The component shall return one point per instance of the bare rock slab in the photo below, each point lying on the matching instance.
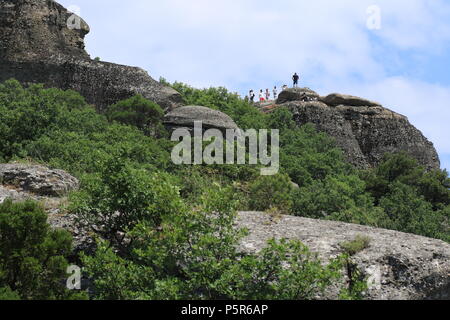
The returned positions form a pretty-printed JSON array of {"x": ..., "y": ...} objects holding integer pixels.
[
  {"x": 399, "y": 266},
  {"x": 37, "y": 180}
]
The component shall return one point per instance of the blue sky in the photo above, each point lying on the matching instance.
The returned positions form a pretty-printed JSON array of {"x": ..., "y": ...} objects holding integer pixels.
[{"x": 255, "y": 44}]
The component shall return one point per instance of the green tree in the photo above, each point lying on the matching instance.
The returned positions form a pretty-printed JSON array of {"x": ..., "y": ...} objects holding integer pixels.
[
  {"x": 32, "y": 256},
  {"x": 112, "y": 202},
  {"x": 409, "y": 212},
  {"x": 268, "y": 192},
  {"x": 139, "y": 112}
]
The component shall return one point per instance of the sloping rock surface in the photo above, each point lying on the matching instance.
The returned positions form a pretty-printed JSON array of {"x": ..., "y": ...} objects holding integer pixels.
[{"x": 399, "y": 266}]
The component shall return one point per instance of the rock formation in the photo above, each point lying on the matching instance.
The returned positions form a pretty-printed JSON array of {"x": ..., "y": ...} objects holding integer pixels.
[
  {"x": 184, "y": 117},
  {"x": 37, "y": 179},
  {"x": 398, "y": 266},
  {"x": 297, "y": 94},
  {"x": 41, "y": 42},
  {"x": 363, "y": 129}
]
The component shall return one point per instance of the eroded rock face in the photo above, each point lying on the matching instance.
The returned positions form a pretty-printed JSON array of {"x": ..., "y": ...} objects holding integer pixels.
[
  {"x": 365, "y": 132},
  {"x": 399, "y": 266},
  {"x": 184, "y": 117},
  {"x": 37, "y": 46}
]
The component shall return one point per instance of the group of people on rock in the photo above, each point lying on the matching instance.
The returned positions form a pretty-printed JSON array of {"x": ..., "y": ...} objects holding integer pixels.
[{"x": 266, "y": 95}]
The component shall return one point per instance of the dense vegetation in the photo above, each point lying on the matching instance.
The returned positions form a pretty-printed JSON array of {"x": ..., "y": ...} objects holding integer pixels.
[{"x": 166, "y": 231}]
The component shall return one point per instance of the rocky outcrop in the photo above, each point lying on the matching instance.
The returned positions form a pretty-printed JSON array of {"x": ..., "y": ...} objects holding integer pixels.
[
  {"x": 184, "y": 117},
  {"x": 41, "y": 42},
  {"x": 297, "y": 94},
  {"x": 38, "y": 180},
  {"x": 398, "y": 266},
  {"x": 336, "y": 99},
  {"x": 364, "y": 130}
]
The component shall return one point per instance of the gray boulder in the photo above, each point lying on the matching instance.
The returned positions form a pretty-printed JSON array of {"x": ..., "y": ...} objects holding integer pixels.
[
  {"x": 38, "y": 180},
  {"x": 184, "y": 117},
  {"x": 336, "y": 99},
  {"x": 37, "y": 46},
  {"x": 297, "y": 94},
  {"x": 398, "y": 266}
]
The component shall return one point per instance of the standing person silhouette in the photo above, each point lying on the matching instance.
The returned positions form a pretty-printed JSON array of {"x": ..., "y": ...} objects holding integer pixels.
[
  {"x": 252, "y": 96},
  {"x": 267, "y": 94},
  {"x": 275, "y": 93},
  {"x": 295, "y": 78}
]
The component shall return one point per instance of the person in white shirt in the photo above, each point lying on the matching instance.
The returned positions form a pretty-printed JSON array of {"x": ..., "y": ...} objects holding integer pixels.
[
  {"x": 275, "y": 93},
  {"x": 261, "y": 96}
]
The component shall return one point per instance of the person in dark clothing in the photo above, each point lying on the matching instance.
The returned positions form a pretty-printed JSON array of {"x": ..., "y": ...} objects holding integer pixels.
[
  {"x": 295, "y": 77},
  {"x": 252, "y": 96}
]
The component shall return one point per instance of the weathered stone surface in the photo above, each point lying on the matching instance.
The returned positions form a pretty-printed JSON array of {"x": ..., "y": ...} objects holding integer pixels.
[
  {"x": 20, "y": 182},
  {"x": 39, "y": 180},
  {"x": 34, "y": 29},
  {"x": 365, "y": 134},
  {"x": 336, "y": 99},
  {"x": 184, "y": 117},
  {"x": 399, "y": 266},
  {"x": 297, "y": 94},
  {"x": 37, "y": 46}
]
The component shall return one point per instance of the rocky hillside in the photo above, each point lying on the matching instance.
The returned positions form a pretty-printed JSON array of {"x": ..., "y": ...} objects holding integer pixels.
[{"x": 37, "y": 46}]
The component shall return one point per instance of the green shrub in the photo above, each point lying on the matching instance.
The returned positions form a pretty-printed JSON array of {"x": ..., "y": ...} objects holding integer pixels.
[
  {"x": 334, "y": 194},
  {"x": 112, "y": 202},
  {"x": 139, "y": 112},
  {"x": 409, "y": 212},
  {"x": 268, "y": 192},
  {"x": 32, "y": 256},
  {"x": 357, "y": 245}
]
